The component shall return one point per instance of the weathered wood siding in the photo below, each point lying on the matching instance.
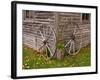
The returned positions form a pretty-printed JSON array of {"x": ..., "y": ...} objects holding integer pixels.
[
  {"x": 64, "y": 31},
  {"x": 30, "y": 35},
  {"x": 57, "y": 20}
]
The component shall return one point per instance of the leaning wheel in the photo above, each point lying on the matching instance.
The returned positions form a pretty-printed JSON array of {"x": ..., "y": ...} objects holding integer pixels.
[
  {"x": 47, "y": 40},
  {"x": 73, "y": 42}
]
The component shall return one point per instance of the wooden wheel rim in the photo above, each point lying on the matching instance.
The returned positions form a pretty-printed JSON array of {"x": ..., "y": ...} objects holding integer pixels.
[
  {"x": 47, "y": 38},
  {"x": 71, "y": 43}
]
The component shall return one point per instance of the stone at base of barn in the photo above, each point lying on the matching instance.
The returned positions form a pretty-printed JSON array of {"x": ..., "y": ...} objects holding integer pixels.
[{"x": 59, "y": 54}]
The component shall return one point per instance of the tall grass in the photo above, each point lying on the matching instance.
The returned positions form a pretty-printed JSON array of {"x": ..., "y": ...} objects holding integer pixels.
[{"x": 34, "y": 60}]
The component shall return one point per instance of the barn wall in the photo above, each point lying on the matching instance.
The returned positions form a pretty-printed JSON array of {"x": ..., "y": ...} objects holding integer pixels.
[
  {"x": 32, "y": 24},
  {"x": 64, "y": 32},
  {"x": 57, "y": 20}
]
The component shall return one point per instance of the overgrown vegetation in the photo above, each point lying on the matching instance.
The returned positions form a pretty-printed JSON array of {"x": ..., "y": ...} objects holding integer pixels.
[
  {"x": 60, "y": 46},
  {"x": 33, "y": 59}
]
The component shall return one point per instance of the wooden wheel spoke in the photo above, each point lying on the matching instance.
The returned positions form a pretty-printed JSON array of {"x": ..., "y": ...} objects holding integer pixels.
[
  {"x": 49, "y": 37},
  {"x": 51, "y": 53},
  {"x": 41, "y": 47},
  {"x": 42, "y": 35},
  {"x": 70, "y": 48},
  {"x": 42, "y": 29},
  {"x": 75, "y": 29},
  {"x": 51, "y": 33},
  {"x": 73, "y": 47},
  {"x": 68, "y": 43}
]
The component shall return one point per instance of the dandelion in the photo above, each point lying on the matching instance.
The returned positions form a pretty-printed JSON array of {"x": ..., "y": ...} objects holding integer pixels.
[
  {"x": 49, "y": 62},
  {"x": 39, "y": 58},
  {"x": 25, "y": 64},
  {"x": 37, "y": 63},
  {"x": 27, "y": 67},
  {"x": 27, "y": 60}
]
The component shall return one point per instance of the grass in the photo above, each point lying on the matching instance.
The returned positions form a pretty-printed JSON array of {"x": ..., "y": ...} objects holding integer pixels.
[{"x": 34, "y": 60}]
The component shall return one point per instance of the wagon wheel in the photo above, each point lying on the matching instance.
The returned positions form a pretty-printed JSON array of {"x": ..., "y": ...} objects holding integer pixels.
[
  {"x": 74, "y": 40},
  {"x": 47, "y": 40}
]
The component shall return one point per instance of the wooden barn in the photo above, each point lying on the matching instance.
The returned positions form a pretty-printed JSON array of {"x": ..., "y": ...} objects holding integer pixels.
[{"x": 45, "y": 28}]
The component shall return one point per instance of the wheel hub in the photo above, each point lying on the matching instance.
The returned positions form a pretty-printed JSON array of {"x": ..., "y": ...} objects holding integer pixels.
[
  {"x": 73, "y": 37},
  {"x": 44, "y": 41}
]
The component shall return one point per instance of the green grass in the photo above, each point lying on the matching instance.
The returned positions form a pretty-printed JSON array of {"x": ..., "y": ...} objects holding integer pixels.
[{"x": 32, "y": 59}]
